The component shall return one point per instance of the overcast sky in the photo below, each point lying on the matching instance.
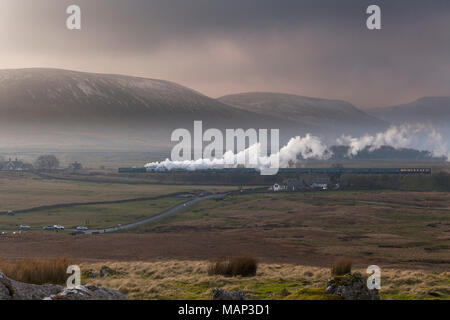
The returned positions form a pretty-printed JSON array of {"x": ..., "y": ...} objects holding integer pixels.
[{"x": 316, "y": 48}]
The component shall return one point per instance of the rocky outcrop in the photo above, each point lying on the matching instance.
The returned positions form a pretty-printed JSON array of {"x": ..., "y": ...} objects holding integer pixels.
[
  {"x": 219, "y": 294},
  {"x": 351, "y": 287},
  {"x": 87, "y": 293},
  {"x": 15, "y": 290}
]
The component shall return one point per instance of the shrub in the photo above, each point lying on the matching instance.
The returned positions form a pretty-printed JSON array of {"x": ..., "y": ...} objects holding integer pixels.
[
  {"x": 37, "y": 271},
  {"x": 220, "y": 267},
  {"x": 243, "y": 265},
  {"x": 341, "y": 267}
]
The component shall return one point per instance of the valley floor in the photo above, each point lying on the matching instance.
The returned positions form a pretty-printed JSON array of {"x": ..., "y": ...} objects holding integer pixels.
[
  {"x": 388, "y": 229},
  {"x": 295, "y": 236}
]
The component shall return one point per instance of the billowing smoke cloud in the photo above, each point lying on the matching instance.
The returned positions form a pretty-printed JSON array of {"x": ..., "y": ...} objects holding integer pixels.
[
  {"x": 228, "y": 159},
  {"x": 441, "y": 147},
  {"x": 312, "y": 147},
  {"x": 403, "y": 136},
  {"x": 308, "y": 147}
]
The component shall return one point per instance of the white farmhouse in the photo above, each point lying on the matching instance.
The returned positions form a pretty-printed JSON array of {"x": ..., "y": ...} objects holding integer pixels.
[{"x": 278, "y": 187}]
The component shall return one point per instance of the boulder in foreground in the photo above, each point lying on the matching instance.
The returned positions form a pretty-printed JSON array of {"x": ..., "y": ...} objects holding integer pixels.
[
  {"x": 15, "y": 290},
  {"x": 220, "y": 294},
  {"x": 351, "y": 287}
]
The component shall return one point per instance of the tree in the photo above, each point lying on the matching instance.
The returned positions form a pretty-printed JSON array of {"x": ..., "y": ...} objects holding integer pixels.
[{"x": 47, "y": 162}]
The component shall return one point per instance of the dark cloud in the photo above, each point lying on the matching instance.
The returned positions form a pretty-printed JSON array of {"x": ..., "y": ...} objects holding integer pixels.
[{"x": 313, "y": 47}]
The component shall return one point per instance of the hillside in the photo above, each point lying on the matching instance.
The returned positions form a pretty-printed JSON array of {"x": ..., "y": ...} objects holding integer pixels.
[
  {"x": 314, "y": 114},
  {"x": 67, "y": 109},
  {"x": 59, "y": 95},
  {"x": 435, "y": 110}
]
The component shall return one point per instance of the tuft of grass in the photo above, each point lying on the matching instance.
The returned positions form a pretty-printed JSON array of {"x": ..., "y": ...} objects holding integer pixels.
[
  {"x": 341, "y": 267},
  {"x": 37, "y": 271},
  {"x": 243, "y": 265}
]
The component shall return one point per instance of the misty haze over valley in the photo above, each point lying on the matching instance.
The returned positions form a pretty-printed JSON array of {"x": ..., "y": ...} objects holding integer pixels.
[{"x": 76, "y": 111}]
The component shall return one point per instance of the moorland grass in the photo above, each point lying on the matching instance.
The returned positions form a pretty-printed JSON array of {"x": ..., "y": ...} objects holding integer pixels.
[
  {"x": 37, "y": 271},
  {"x": 178, "y": 280}
]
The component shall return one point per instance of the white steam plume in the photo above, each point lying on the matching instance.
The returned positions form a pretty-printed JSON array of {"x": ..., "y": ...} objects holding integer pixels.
[
  {"x": 308, "y": 147},
  {"x": 311, "y": 147},
  {"x": 441, "y": 148},
  {"x": 403, "y": 136}
]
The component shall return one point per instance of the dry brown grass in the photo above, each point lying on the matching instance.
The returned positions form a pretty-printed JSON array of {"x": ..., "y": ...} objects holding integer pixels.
[
  {"x": 37, "y": 271},
  {"x": 292, "y": 228},
  {"x": 243, "y": 265},
  {"x": 341, "y": 267},
  {"x": 361, "y": 225},
  {"x": 177, "y": 280}
]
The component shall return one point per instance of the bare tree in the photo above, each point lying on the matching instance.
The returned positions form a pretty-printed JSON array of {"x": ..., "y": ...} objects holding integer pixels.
[{"x": 47, "y": 162}]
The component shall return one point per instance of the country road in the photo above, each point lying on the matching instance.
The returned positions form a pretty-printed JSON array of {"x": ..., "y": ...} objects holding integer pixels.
[{"x": 155, "y": 218}]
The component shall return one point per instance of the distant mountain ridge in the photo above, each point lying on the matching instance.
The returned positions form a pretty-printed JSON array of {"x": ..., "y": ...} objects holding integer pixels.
[
  {"x": 434, "y": 110},
  {"x": 46, "y": 105},
  {"x": 102, "y": 109},
  {"x": 315, "y": 113},
  {"x": 60, "y": 94}
]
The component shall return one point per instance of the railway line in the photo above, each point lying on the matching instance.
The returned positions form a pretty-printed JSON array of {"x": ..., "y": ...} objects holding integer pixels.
[{"x": 287, "y": 170}]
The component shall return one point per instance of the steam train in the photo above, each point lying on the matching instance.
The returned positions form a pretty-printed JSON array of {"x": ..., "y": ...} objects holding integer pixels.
[{"x": 288, "y": 170}]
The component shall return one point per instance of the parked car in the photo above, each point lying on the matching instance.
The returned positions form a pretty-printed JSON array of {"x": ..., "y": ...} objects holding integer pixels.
[
  {"x": 49, "y": 228},
  {"x": 4, "y": 233},
  {"x": 81, "y": 228},
  {"x": 24, "y": 227},
  {"x": 58, "y": 227}
]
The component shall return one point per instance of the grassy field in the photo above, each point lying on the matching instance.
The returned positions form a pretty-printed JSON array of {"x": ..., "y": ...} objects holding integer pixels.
[
  {"x": 385, "y": 227},
  {"x": 92, "y": 216},
  {"x": 20, "y": 191},
  {"x": 26, "y": 190},
  {"x": 179, "y": 280}
]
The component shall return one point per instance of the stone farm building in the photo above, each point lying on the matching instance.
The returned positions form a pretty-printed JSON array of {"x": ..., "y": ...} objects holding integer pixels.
[
  {"x": 15, "y": 165},
  {"x": 288, "y": 185}
]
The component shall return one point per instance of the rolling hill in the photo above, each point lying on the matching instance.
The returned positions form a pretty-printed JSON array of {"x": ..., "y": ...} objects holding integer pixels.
[
  {"x": 430, "y": 111},
  {"x": 61, "y": 108},
  {"x": 316, "y": 115},
  {"x": 435, "y": 110},
  {"x": 66, "y": 96}
]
